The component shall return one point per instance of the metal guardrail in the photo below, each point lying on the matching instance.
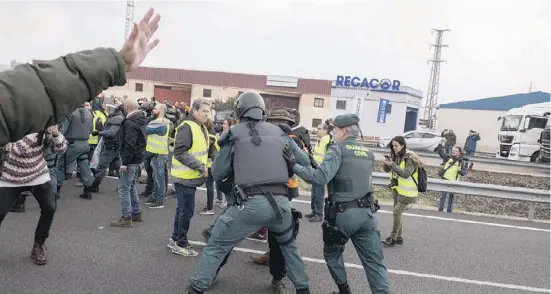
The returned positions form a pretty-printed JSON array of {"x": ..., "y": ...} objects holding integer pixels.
[
  {"x": 480, "y": 159},
  {"x": 476, "y": 189}
]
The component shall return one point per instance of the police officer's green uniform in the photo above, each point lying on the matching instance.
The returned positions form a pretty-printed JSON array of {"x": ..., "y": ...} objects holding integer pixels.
[
  {"x": 247, "y": 149},
  {"x": 77, "y": 128},
  {"x": 346, "y": 169}
]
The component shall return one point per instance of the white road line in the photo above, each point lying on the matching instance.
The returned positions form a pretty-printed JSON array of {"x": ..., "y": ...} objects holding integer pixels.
[
  {"x": 407, "y": 273},
  {"x": 436, "y": 217}
]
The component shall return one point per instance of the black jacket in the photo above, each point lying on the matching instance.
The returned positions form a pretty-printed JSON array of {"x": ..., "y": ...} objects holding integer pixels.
[
  {"x": 133, "y": 138},
  {"x": 111, "y": 129}
]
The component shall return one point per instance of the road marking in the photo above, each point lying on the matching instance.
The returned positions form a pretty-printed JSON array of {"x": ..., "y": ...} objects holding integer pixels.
[
  {"x": 406, "y": 273},
  {"x": 432, "y": 217}
]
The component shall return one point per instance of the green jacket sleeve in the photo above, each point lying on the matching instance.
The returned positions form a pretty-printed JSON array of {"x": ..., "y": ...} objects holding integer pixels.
[
  {"x": 33, "y": 97},
  {"x": 325, "y": 172}
]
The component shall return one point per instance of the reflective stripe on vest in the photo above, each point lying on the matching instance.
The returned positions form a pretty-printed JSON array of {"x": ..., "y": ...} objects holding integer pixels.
[
  {"x": 321, "y": 147},
  {"x": 406, "y": 187},
  {"x": 94, "y": 140},
  {"x": 293, "y": 182},
  {"x": 215, "y": 140},
  {"x": 452, "y": 173},
  {"x": 158, "y": 144},
  {"x": 199, "y": 150}
]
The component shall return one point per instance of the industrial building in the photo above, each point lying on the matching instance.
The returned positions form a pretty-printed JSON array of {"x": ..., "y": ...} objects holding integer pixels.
[
  {"x": 386, "y": 108},
  {"x": 482, "y": 116},
  {"x": 310, "y": 96}
]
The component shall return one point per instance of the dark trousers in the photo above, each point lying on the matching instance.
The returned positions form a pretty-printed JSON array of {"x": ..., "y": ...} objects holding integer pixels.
[
  {"x": 149, "y": 170},
  {"x": 185, "y": 207},
  {"x": 106, "y": 159},
  {"x": 44, "y": 195}
]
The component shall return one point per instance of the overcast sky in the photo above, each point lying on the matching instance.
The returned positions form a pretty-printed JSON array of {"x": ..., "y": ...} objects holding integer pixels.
[{"x": 496, "y": 47}]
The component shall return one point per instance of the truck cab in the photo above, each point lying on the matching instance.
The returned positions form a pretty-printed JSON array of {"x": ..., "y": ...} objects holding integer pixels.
[
  {"x": 544, "y": 142},
  {"x": 520, "y": 132}
]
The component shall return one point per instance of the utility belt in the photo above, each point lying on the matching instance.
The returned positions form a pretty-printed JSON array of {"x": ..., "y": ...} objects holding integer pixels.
[
  {"x": 243, "y": 194},
  {"x": 331, "y": 233}
]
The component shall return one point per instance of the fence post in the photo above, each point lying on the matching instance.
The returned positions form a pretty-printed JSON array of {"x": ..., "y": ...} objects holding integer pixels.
[{"x": 531, "y": 211}]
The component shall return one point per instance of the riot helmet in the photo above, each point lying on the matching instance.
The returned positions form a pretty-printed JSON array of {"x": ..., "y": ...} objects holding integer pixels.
[{"x": 250, "y": 104}]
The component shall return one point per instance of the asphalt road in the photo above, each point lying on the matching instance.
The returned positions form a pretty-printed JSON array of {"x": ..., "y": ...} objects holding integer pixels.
[{"x": 442, "y": 253}]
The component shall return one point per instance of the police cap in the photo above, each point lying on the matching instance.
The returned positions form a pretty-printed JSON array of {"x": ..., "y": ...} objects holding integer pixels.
[
  {"x": 346, "y": 120},
  {"x": 280, "y": 113}
]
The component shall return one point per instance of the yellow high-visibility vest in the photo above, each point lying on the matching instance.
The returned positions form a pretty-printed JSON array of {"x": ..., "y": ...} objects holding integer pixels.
[
  {"x": 94, "y": 140},
  {"x": 158, "y": 144},
  {"x": 215, "y": 140},
  {"x": 452, "y": 172},
  {"x": 321, "y": 147},
  {"x": 406, "y": 187},
  {"x": 199, "y": 149}
]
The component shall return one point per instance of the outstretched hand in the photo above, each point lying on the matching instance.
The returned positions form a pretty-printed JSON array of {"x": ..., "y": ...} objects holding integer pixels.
[{"x": 138, "y": 45}]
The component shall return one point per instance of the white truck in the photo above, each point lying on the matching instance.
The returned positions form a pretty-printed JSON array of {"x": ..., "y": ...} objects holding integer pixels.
[{"x": 520, "y": 131}]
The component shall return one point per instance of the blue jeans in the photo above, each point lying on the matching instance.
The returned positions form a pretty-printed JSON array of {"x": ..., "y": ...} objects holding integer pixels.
[
  {"x": 185, "y": 207},
  {"x": 317, "y": 201},
  {"x": 443, "y": 200},
  {"x": 130, "y": 202},
  {"x": 158, "y": 167}
]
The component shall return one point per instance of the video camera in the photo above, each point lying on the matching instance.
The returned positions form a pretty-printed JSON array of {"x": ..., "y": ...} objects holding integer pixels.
[{"x": 147, "y": 107}]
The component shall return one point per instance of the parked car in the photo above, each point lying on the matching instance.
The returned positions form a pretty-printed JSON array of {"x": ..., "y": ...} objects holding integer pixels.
[{"x": 417, "y": 140}]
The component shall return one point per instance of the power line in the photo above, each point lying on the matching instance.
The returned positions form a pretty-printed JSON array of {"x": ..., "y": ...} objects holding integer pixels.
[
  {"x": 129, "y": 23},
  {"x": 431, "y": 104}
]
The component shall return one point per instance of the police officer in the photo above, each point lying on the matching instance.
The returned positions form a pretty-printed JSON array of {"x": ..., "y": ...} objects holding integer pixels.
[
  {"x": 347, "y": 169},
  {"x": 260, "y": 194},
  {"x": 110, "y": 152},
  {"x": 77, "y": 128}
]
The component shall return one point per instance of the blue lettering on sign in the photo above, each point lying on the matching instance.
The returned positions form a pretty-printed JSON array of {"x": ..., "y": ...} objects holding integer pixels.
[
  {"x": 381, "y": 113},
  {"x": 357, "y": 82}
]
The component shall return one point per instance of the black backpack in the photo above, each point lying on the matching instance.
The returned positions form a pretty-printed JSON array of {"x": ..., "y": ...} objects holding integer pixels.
[{"x": 422, "y": 184}]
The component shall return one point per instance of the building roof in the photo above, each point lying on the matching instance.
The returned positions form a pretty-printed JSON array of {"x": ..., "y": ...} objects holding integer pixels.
[
  {"x": 502, "y": 103},
  {"x": 224, "y": 79}
]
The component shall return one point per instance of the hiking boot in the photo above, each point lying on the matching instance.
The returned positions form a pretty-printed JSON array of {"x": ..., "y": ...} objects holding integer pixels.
[
  {"x": 303, "y": 291},
  {"x": 123, "y": 222},
  {"x": 137, "y": 217},
  {"x": 399, "y": 241},
  {"x": 278, "y": 287},
  {"x": 261, "y": 259},
  {"x": 389, "y": 242},
  {"x": 38, "y": 254},
  {"x": 310, "y": 215},
  {"x": 258, "y": 237},
  {"x": 86, "y": 193},
  {"x": 316, "y": 219}
]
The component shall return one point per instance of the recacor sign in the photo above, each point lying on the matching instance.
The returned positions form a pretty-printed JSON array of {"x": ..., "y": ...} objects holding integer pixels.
[{"x": 376, "y": 84}]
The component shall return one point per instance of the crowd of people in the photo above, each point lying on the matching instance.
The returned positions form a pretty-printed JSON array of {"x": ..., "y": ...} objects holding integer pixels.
[{"x": 255, "y": 164}]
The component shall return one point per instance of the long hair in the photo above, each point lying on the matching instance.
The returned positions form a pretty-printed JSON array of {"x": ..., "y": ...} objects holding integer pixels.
[{"x": 400, "y": 140}]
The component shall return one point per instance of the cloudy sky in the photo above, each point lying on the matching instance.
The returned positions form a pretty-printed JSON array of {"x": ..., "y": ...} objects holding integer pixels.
[{"x": 495, "y": 47}]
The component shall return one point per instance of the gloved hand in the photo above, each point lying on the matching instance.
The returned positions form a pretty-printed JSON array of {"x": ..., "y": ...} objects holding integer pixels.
[
  {"x": 95, "y": 133},
  {"x": 289, "y": 157},
  {"x": 296, "y": 213}
]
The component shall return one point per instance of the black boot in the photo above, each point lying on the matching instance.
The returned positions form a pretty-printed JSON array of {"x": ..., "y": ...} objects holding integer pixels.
[
  {"x": 95, "y": 185},
  {"x": 343, "y": 289},
  {"x": 86, "y": 193},
  {"x": 303, "y": 291},
  {"x": 190, "y": 290},
  {"x": 19, "y": 204}
]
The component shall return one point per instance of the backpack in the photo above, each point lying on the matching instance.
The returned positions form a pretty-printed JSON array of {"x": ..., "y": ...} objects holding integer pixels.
[{"x": 422, "y": 184}]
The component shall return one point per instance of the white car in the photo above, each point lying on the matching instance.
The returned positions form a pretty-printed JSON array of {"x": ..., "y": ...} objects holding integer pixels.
[{"x": 417, "y": 140}]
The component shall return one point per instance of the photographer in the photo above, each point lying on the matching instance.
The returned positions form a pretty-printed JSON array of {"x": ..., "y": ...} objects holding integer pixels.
[{"x": 454, "y": 167}]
